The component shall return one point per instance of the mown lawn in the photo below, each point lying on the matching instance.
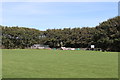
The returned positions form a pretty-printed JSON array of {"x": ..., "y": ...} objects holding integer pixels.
[
  {"x": 0, "y": 64},
  {"x": 28, "y": 63}
]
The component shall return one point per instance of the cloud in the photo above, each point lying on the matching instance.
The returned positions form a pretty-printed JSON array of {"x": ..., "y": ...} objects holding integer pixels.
[
  {"x": 32, "y": 8},
  {"x": 24, "y": 9}
]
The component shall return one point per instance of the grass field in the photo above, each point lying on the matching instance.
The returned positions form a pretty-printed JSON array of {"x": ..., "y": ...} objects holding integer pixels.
[
  {"x": 0, "y": 64},
  {"x": 28, "y": 63}
]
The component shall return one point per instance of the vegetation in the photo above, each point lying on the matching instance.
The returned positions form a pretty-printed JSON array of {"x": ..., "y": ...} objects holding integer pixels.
[
  {"x": 29, "y": 63},
  {"x": 106, "y": 36},
  {"x": 0, "y": 64}
]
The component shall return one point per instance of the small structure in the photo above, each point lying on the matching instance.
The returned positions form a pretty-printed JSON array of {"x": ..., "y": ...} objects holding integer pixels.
[
  {"x": 40, "y": 46},
  {"x": 64, "y": 48},
  {"x": 92, "y": 46}
]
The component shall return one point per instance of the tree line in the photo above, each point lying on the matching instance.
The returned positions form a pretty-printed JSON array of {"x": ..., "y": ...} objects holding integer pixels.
[{"x": 105, "y": 36}]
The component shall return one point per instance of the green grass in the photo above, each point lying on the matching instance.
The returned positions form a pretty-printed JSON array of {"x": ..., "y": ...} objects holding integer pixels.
[
  {"x": 0, "y": 64},
  {"x": 28, "y": 63}
]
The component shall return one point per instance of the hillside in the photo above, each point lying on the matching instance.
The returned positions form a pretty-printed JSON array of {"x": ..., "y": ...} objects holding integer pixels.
[{"x": 106, "y": 36}]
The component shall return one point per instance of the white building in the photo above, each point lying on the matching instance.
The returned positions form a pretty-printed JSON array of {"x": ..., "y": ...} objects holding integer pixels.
[{"x": 39, "y": 46}]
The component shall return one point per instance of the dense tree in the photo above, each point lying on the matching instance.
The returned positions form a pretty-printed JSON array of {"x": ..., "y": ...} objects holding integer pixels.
[
  {"x": 19, "y": 37},
  {"x": 108, "y": 34},
  {"x": 105, "y": 36}
]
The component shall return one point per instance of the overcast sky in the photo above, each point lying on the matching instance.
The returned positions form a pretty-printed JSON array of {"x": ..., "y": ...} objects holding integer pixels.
[{"x": 50, "y": 15}]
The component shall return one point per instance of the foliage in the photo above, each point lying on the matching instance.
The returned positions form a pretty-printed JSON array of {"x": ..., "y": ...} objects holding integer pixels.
[
  {"x": 19, "y": 37},
  {"x": 106, "y": 36}
]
